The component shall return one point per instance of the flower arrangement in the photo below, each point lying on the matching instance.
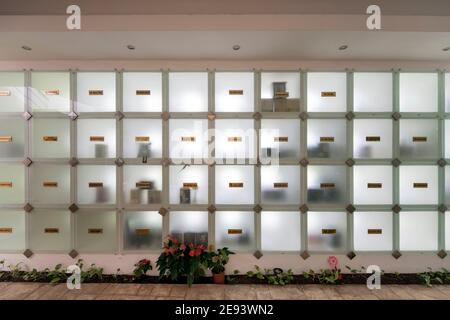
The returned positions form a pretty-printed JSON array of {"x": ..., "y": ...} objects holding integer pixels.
[
  {"x": 141, "y": 268},
  {"x": 216, "y": 263}
]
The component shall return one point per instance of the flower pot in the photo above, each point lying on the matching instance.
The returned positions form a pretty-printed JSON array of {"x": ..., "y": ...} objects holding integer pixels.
[{"x": 219, "y": 278}]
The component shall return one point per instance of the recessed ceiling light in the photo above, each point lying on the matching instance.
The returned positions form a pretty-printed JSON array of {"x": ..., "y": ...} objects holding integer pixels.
[
  {"x": 446, "y": 49},
  {"x": 26, "y": 48},
  {"x": 343, "y": 47},
  {"x": 131, "y": 47},
  {"x": 236, "y": 47}
]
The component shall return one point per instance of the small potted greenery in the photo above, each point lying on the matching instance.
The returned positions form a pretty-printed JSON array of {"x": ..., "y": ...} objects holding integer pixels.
[{"x": 216, "y": 263}]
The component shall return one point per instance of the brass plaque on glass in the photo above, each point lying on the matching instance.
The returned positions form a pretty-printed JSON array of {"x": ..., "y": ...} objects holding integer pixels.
[
  {"x": 51, "y": 230},
  {"x": 419, "y": 139},
  {"x": 328, "y": 231},
  {"x": 5, "y": 184},
  {"x": 95, "y": 184},
  {"x": 5, "y": 138},
  {"x": 236, "y": 185},
  {"x": 50, "y": 184},
  {"x": 142, "y": 138},
  {"x": 6, "y": 230},
  {"x": 191, "y": 185},
  {"x": 281, "y": 94},
  {"x": 234, "y": 231},
  {"x": 5, "y": 93},
  {"x": 188, "y": 139},
  {"x": 143, "y": 92},
  {"x": 280, "y": 139},
  {"x": 373, "y": 139},
  {"x": 234, "y": 139},
  {"x": 236, "y": 92},
  {"x": 51, "y": 92},
  {"x": 280, "y": 184},
  {"x": 328, "y": 94},
  {"x": 95, "y": 92},
  {"x": 421, "y": 185},
  {"x": 142, "y": 232},
  {"x": 96, "y": 138},
  {"x": 50, "y": 138},
  {"x": 95, "y": 230},
  {"x": 374, "y": 231},
  {"x": 373, "y": 185},
  {"x": 144, "y": 185},
  {"x": 327, "y": 185},
  {"x": 326, "y": 139}
]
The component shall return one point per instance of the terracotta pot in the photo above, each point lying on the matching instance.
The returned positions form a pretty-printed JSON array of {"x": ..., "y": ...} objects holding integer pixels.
[{"x": 219, "y": 278}]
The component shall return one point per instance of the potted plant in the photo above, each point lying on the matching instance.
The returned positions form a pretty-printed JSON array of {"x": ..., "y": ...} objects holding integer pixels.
[{"x": 216, "y": 263}]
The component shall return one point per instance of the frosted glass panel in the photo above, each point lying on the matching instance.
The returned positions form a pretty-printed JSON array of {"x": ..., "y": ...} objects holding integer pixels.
[
  {"x": 188, "y": 138},
  {"x": 418, "y": 92},
  {"x": 447, "y": 233},
  {"x": 280, "y": 91},
  {"x": 280, "y": 231},
  {"x": 189, "y": 185},
  {"x": 327, "y": 139},
  {"x": 142, "y": 230},
  {"x": 418, "y": 184},
  {"x": 234, "y": 184},
  {"x": 142, "y": 91},
  {"x": 372, "y": 231},
  {"x": 418, "y": 231},
  {"x": 234, "y": 92},
  {"x": 12, "y": 183},
  {"x": 447, "y": 185},
  {"x": 188, "y": 91},
  {"x": 12, "y": 88},
  {"x": 235, "y": 139},
  {"x": 447, "y": 92},
  {"x": 96, "y": 231},
  {"x": 142, "y": 184},
  {"x": 280, "y": 136},
  {"x": 12, "y": 138},
  {"x": 96, "y": 184},
  {"x": 50, "y": 91},
  {"x": 50, "y": 183},
  {"x": 372, "y": 138},
  {"x": 447, "y": 139},
  {"x": 327, "y": 92},
  {"x": 13, "y": 224},
  {"x": 372, "y": 91},
  {"x": 51, "y": 138},
  {"x": 418, "y": 138},
  {"x": 327, "y": 184},
  {"x": 189, "y": 226},
  {"x": 327, "y": 231},
  {"x": 235, "y": 230},
  {"x": 142, "y": 138},
  {"x": 96, "y": 92},
  {"x": 50, "y": 230},
  {"x": 372, "y": 185},
  {"x": 96, "y": 138},
  {"x": 280, "y": 184}
]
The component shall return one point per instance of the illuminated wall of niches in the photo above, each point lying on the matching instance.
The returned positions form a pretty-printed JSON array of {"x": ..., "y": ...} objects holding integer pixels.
[{"x": 260, "y": 161}]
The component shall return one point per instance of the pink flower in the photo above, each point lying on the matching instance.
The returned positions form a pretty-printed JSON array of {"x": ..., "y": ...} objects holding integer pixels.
[
  {"x": 191, "y": 245},
  {"x": 192, "y": 253},
  {"x": 333, "y": 262},
  {"x": 183, "y": 247}
]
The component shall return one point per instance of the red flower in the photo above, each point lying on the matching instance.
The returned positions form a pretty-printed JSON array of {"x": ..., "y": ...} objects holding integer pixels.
[
  {"x": 191, "y": 245},
  {"x": 192, "y": 253},
  {"x": 183, "y": 247},
  {"x": 198, "y": 252},
  {"x": 202, "y": 247},
  {"x": 333, "y": 262}
]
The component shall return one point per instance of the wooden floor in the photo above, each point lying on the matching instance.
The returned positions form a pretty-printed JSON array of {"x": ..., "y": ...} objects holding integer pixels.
[{"x": 92, "y": 291}]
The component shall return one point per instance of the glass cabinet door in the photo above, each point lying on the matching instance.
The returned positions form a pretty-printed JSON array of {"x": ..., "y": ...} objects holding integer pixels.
[
  {"x": 50, "y": 183},
  {"x": 447, "y": 234},
  {"x": 96, "y": 184},
  {"x": 142, "y": 184},
  {"x": 234, "y": 184},
  {"x": 50, "y": 230},
  {"x": 280, "y": 91},
  {"x": 96, "y": 92},
  {"x": 12, "y": 183},
  {"x": 372, "y": 231},
  {"x": 234, "y": 92},
  {"x": 327, "y": 139},
  {"x": 419, "y": 138},
  {"x": 96, "y": 138},
  {"x": 188, "y": 139},
  {"x": 142, "y": 230},
  {"x": 188, "y": 91},
  {"x": 12, "y": 138},
  {"x": 418, "y": 92},
  {"x": 189, "y": 185},
  {"x": 235, "y": 230},
  {"x": 235, "y": 139},
  {"x": 418, "y": 231},
  {"x": 447, "y": 185},
  {"x": 372, "y": 138},
  {"x": 447, "y": 92},
  {"x": 280, "y": 231},
  {"x": 280, "y": 184},
  {"x": 189, "y": 226},
  {"x": 327, "y": 184},
  {"x": 50, "y": 92},
  {"x": 12, "y": 230},
  {"x": 142, "y": 138},
  {"x": 327, "y": 92},
  {"x": 96, "y": 231},
  {"x": 280, "y": 139},
  {"x": 12, "y": 92},
  {"x": 327, "y": 231},
  {"x": 372, "y": 91},
  {"x": 142, "y": 91},
  {"x": 447, "y": 138},
  {"x": 372, "y": 185},
  {"x": 51, "y": 138},
  {"x": 418, "y": 184}
]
